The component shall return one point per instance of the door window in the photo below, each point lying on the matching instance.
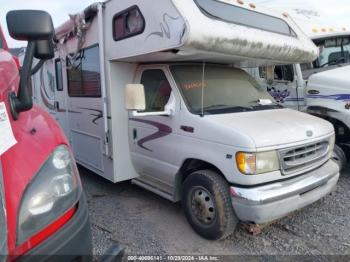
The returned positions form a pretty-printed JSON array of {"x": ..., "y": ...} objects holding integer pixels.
[
  {"x": 280, "y": 73},
  {"x": 157, "y": 90}
]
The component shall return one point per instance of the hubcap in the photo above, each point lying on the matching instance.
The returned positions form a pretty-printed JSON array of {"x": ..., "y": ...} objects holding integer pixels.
[{"x": 202, "y": 205}]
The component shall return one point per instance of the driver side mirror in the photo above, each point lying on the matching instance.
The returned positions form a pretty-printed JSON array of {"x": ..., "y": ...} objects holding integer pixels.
[
  {"x": 135, "y": 97},
  {"x": 36, "y": 27},
  {"x": 44, "y": 50},
  {"x": 29, "y": 25}
]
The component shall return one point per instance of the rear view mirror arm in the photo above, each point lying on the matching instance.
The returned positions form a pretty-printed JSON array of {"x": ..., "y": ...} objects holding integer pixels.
[
  {"x": 37, "y": 66},
  {"x": 23, "y": 102}
]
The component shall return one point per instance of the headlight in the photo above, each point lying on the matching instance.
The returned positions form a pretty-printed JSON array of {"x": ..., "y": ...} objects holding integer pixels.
[
  {"x": 257, "y": 163},
  {"x": 54, "y": 190}
]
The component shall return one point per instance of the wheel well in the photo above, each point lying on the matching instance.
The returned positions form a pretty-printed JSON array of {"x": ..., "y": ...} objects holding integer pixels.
[
  {"x": 188, "y": 167},
  {"x": 342, "y": 131}
]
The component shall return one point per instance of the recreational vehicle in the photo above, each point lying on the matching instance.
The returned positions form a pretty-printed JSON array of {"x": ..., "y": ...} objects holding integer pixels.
[
  {"x": 321, "y": 87},
  {"x": 155, "y": 94}
]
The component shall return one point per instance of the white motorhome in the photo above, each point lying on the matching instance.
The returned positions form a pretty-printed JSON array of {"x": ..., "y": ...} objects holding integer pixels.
[
  {"x": 321, "y": 88},
  {"x": 155, "y": 94}
]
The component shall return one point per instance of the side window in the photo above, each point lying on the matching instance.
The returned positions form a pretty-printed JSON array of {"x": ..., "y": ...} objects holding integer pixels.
[
  {"x": 59, "y": 76},
  {"x": 128, "y": 23},
  {"x": 284, "y": 73},
  {"x": 157, "y": 90},
  {"x": 83, "y": 72},
  {"x": 278, "y": 73}
]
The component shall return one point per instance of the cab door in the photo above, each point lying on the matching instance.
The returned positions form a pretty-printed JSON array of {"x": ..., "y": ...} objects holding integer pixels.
[
  {"x": 153, "y": 139},
  {"x": 281, "y": 83}
]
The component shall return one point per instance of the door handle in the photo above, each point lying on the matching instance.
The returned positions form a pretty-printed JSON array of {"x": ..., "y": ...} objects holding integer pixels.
[{"x": 134, "y": 133}]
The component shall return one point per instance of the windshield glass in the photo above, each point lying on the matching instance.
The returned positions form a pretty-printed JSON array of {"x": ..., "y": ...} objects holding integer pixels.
[
  {"x": 333, "y": 51},
  {"x": 225, "y": 89}
]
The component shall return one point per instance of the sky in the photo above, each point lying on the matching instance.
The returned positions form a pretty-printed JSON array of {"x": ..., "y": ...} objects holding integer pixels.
[{"x": 332, "y": 12}]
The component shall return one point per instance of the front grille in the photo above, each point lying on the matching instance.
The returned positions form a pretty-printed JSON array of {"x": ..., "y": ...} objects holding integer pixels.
[{"x": 304, "y": 157}]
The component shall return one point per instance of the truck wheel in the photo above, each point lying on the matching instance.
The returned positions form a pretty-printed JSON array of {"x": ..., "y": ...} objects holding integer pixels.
[
  {"x": 339, "y": 157},
  {"x": 207, "y": 203}
]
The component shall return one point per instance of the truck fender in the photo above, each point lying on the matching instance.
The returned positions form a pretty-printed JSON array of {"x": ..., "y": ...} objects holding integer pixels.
[{"x": 189, "y": 166}]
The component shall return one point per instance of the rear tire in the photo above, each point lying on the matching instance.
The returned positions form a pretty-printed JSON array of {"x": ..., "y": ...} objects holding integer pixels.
[
  {"x": 207, "y": 204},
  {"x": 338, "y": 156}
]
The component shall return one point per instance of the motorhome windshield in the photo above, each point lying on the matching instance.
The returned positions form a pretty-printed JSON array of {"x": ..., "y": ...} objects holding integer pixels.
[
  {"x": 333, "y": 51},
  {"x": 219, "y": 89}
]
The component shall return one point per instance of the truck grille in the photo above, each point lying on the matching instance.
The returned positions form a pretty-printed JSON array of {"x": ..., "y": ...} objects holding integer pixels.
[{"x": 304, "y": 157}]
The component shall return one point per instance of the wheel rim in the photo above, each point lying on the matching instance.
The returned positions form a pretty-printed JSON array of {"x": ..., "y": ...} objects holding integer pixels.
[{"x": 202, "y": 205}]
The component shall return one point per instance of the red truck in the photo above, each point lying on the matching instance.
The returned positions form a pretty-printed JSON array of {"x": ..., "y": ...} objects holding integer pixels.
[{"x": 43, "y": 211}]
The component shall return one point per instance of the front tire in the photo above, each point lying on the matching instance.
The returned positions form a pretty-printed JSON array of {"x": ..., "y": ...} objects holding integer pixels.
[{"x": 207, "y": 204}]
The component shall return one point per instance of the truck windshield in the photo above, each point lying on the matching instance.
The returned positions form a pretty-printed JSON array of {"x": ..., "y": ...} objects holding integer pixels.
[
  {"x": 333, "y": 51},
  {"x": 224, "y": 89}
]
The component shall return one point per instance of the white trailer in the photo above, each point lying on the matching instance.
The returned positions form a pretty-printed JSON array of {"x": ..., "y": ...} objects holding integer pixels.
[
  {"x": 193, "y": 126},
  {"x": 321, "y": 87}
]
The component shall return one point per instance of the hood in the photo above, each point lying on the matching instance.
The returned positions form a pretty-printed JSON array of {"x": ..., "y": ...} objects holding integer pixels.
[
  {"x": 274, "y": 128},
  {"x": 3, "y": 222},
  {"x": 337, "y": 77}
]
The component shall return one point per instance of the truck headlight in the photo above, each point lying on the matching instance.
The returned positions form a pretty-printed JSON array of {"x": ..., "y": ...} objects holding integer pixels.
[
  {"x": 54, "y": 190},
  {"x": 257, "y": 163}
]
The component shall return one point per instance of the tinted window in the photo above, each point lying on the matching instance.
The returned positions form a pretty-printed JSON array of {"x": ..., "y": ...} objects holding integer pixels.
[
  {"x": 157, "y": 90},
  {"x": 59, "y": 78},
  {"x": 128, "y": 23},
  {"x": 242, "y": 16},
  {"x": 84, "y": 74}
]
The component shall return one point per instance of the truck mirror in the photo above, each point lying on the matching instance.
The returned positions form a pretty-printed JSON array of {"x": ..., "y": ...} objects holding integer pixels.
[
  {"x": 44, "y": 49},
  {"x": 135, "y": 97},
  {"x": 29, "y": 25},
  {"x": 32, "y": 26}
]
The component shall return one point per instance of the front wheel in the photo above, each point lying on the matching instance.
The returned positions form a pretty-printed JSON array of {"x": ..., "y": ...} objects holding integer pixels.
[
  {"x": 207, "y": 203},
  {"x": 338, "y": 155}
]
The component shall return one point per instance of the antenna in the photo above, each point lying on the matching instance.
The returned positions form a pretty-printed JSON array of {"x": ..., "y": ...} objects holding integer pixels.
[{"x": 203, "y": 72}]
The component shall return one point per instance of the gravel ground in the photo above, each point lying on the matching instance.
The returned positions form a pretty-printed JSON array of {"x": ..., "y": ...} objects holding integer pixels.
[{"x": 146, "y": 224}]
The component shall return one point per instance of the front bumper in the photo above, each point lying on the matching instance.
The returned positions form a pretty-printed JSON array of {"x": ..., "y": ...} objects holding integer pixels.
[
  {"x": 266, "y": 203},
  {"x": 72, "y": 242}
]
